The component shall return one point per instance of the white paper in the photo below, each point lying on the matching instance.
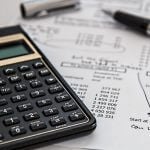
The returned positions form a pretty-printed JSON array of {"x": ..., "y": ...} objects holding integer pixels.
[{"x": 107, "y": 65}]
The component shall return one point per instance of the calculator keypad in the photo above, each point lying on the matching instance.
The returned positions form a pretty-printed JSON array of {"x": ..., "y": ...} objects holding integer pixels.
[{"x": 32, "y": 101}]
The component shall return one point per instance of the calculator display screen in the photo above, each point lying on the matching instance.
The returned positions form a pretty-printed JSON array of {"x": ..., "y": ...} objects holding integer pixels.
[{"x": 13, "y": 50}]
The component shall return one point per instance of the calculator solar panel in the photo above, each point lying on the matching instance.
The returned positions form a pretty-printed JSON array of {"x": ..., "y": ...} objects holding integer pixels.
[{"x": 36, "y": 104}]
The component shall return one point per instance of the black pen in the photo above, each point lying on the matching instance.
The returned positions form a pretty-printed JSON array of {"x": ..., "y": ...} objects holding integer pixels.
[{"x": 135, "y": 22}]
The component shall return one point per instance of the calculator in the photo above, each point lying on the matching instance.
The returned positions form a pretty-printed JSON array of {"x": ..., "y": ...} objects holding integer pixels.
[{"x": 36, "y": 104}]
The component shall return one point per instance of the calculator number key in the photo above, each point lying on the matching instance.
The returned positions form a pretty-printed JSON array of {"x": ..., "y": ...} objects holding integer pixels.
[
  {"x": 50, "y": 111},
  {"x": 38, "y": 93},
  {"x": 31, "y": 116},
  {"x": 18, "y": 130},
  {"x": 3, "y": 102},
  {"x": 25, "y": 107},
  {"x": 44, "y": 102},
  {"x": 6, "y": 111},
  {"x": 11, "y": 121},
  {"x": 35, "y": 126},
  {"x": 18, "y": 98},
  {"x": 57, "y": 121},
  {"x": 36, "y": 84},
  {"x": 76, "y": 116},
  {"x": 20, "y": 87}
]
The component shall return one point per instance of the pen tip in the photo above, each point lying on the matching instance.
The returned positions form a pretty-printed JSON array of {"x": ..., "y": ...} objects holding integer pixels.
[{"x": 108, "y": 12}]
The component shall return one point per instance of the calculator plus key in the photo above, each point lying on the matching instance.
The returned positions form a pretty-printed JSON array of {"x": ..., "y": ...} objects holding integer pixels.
[
  {"x": 11, "y": 121},
  {"x": 76, "y": 116},
  {"x": 35, "y": 126},
  {"x": 18, "y": 130}
]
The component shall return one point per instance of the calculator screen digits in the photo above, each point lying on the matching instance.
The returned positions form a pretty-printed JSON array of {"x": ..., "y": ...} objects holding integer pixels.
[{"x": 13, "y": 50}]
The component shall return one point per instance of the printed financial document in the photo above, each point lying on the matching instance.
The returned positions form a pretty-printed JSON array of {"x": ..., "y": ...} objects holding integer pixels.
[{"x": 107, "y": 65}]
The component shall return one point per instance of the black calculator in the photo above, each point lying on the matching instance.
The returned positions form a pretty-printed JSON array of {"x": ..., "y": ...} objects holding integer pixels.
[{"x": 36, "y": 104}]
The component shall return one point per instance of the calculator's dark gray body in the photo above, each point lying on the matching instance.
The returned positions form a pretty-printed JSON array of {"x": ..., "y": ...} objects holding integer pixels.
[{"x": 50, "y": 132}]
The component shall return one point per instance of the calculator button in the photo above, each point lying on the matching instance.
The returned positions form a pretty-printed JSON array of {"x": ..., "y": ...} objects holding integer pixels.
[
  {"x": 62, "y": 97},
  {"x": 44, "y": 102},
  {"x": 31, "y": 116},
  {"x": 18, "y": 130},
  {"x": 9, "y": 71},
  {"x": 5, "y": 91},
  {"x": 18, "y": 98},
  {"x": 6, "y": 111},
  {"x": 24, "y": 68},
  {"x": 50, "y": 80},
  {"x": 1, "y": 136},
  {"x": 3, "y": 102},
  {"x": 25, "y": 107},
  {"x": 50, "y": 111},
  {"x": 44, "y": 72},
  {"x": 20, "y": 87},
  {"x": 38, "y": 65},
  {"x": 2, "y": 82},
  {"x": 14, "y": 79},
  {"x": 57, "y": 121},
  {"x": 69, "y": 106},
  {"x": 35, "y": 126},
  {"x": 30, "y": 75},
  {"x": 11, "y": 121},
  {"x": 36, "y": 84},
  {"x": 76, "y": 116},
  {"x": 37, "y": 93},
  {"x": 55, "y": 88}
]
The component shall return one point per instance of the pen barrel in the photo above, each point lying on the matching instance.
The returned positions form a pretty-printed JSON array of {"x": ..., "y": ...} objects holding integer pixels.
[{"x": 133, "y": 21}]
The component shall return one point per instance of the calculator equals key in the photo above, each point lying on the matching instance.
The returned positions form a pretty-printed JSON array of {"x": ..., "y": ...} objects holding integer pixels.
[{"x": 36, "y": 104}]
